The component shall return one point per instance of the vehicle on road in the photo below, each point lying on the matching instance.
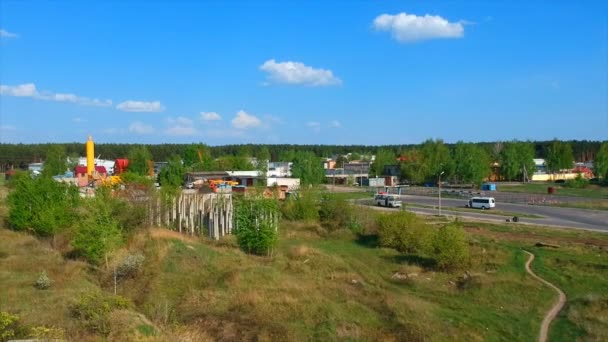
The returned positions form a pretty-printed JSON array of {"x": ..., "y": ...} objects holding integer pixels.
[
  {"x": 387, "y": 200},
  {"x": 482, "y": 202}
]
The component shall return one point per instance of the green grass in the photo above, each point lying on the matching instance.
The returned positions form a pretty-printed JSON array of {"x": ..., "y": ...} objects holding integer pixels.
[
  {"x": 350, "y": 195},
  {"x": 591, "y": 191}
]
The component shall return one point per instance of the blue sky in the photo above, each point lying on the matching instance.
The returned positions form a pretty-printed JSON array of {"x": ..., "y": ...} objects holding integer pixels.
[{"x": 309, "y": 72}]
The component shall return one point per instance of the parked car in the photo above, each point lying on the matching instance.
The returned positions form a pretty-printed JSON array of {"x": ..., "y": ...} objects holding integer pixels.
[{"x": 387, "y": 200}]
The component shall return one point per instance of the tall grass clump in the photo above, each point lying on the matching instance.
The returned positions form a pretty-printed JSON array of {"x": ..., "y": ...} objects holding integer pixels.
[{"x": 304, "y": 206}]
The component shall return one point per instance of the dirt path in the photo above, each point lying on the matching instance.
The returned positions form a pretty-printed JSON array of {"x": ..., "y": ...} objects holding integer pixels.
[{"x": 544, "y": 328}]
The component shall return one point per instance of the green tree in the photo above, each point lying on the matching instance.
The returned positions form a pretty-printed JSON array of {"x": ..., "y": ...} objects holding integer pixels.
[
  {"x": 173, "y": 173},
  {"x": 287, "y": 155},
  {"x": 139, "y": 160},
  {"x": 42, "y": 204},
  {"x": 471, "y": 163},
  {"x": 559, "y": 156},
  {"x": 55, "y": 162},
  {"x": 412, "y": 169},
  {"x": 403, "y": 231},
  {"x": 384, "y": 157},
  {"x": 196, "y": 154},
  {"x": 449, "y": 247},
  {"x": 256, "y": 224},
  {"x": 516, "y": 160},
  {"x": 435, "y": 158},
  {"x": 308, "y": 168},
  {"x": 98, "y": 231},
  {"x": 600, "y": 163}
]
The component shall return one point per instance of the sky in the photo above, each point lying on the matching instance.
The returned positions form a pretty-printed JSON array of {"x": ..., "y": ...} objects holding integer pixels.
[{"x": 302, "y": 72}]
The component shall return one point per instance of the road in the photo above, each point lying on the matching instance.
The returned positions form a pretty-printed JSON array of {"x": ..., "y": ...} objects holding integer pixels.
[{"x": 552, "y": 216}]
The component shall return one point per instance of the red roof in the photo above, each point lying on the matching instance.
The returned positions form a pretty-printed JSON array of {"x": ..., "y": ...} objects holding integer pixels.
[{"x": 83, "y": 169}]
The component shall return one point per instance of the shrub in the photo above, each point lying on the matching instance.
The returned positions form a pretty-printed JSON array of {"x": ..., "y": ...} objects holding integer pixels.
[
  {"x": 41, "y": 204},
  {"x": 43, "y": 282},
  {"x": 9, "y": 326},
  {"x": 305, "y": 206},
  {"x": 337, "y": 213},
  {"x": 98, "y": 231},
  {"x": 47, "y": 333},
  {"x": 577, "y": 183},
  {"x": 403, "y": 231},
  {"x": 93, "y": 310},
  {"x": 130, "y": 265},
  {"x": 256, "y": 224},
  {"x": 449, "y": 247}
]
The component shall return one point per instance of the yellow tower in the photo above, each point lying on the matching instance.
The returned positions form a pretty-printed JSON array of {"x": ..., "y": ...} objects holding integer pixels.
[{"x": 90, "y": 145}]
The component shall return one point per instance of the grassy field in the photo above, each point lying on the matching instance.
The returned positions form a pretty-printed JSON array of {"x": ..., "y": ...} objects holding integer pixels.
[
  {"x": 591, "y": 191},
  {"x": 321, "y": 286}
]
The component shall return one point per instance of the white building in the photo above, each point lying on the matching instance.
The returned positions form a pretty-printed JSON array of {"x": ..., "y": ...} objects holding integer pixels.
[
  {"x": 279, "y": 169},
  {"x": 108, "y": 164}
]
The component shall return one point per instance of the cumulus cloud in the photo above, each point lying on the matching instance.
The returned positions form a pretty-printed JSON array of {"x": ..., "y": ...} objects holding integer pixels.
[
  {"x": 5, "y": 34},
  {"x": 140, "y": 106},
  {"x": 79, "y": 120},
  {"x": 242, "y": 120},
  {"x": 139, "y": 127},
  {"x": 411, "y": 28},
  {"x": 297, "y": 73},
  {"x": 335, "y": 124},
  {"x": 29, "y": 90},
  {"x": 314, "y": 125},
  {"x": 210, "y": 116}
]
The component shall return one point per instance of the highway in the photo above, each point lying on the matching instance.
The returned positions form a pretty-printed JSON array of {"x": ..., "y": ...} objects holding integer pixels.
[{"x": 552, "y": 216}]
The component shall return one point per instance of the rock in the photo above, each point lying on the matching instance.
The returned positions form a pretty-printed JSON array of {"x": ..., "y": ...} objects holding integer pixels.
[
  {"x": 412, "y": 275},
  {"x": 400, "y": 276}
]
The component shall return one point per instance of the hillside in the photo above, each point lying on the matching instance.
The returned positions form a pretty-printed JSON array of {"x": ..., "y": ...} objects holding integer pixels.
[{"x": 317, "y": 286}]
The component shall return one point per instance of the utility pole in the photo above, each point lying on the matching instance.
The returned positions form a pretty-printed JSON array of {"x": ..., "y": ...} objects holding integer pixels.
[{"x": 439, "y": 182}]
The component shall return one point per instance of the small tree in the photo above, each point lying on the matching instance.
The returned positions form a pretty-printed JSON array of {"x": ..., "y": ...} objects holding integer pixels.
[
  {"x": 600, "y": 163},
  {"x": 403, "y": 231},
  {"x": 98, "y": 232},
  {"x": 256, "y": 224},
  {"x": 172, "y": 175},
  {"x": 449, "y": 247},
  {"x": 139, "y": 160},
  {"x": 56, "y": 161}
]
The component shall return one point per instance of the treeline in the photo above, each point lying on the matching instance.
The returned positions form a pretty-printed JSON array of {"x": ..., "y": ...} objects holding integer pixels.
[{"x": 19, "y": 155}]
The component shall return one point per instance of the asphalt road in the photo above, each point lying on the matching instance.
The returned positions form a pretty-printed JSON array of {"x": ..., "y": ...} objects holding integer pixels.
[{"x": 552, "y": 216}]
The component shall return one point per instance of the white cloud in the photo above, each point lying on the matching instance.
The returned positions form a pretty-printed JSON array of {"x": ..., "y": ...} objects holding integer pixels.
[
  {"x": 410, "y": 27},
  {"x": 181, "y": 130},
  {"x": 314, "y": 125},
  {"x": 335, "y": 124},
  {"x": 79, "y": 120},
  {"x": 5, "y": 34},
  {"x": 242, "y": 120},
  {"x": 298, "y": 73},
  {"x": 210, "y": 116},
  {"x": 29, "y": 90},
  {"x": 140, "y": 106},
  {"x": 139, "y": 127},
  {"x": 181, "y": 126}
]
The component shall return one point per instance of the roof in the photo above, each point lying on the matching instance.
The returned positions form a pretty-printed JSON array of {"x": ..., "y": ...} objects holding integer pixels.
[{"x": 83, "y": 169}]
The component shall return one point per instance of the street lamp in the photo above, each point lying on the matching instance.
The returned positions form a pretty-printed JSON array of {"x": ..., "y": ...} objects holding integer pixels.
[{"x": 439, "y": 182}]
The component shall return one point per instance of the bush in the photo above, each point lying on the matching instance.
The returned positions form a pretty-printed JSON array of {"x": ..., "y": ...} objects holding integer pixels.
[
  {"x": 337, "y": 213},
  {"x": 98, "y": 232},
  {"x": 305, "y": 206},
  {"x": 130, "y": 265},
  {"x": 9, "y": 326},
  {"x": 403, "y": 231},
  {"x": 449, "y": 247},
  {"x": 47, "y": 333},
  {"x": 43, "y": 282},
  {"x": 256, "y": 224},
  {"x": 577, "y": 183},
  {"x": 93, "y": 310},
  {"x": 41, "y": 204}
]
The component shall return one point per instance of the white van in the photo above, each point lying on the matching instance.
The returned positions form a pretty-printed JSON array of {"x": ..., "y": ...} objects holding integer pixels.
[
  {"x": 482, "y": 202},
  {"x": 386, "y": 200}
]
